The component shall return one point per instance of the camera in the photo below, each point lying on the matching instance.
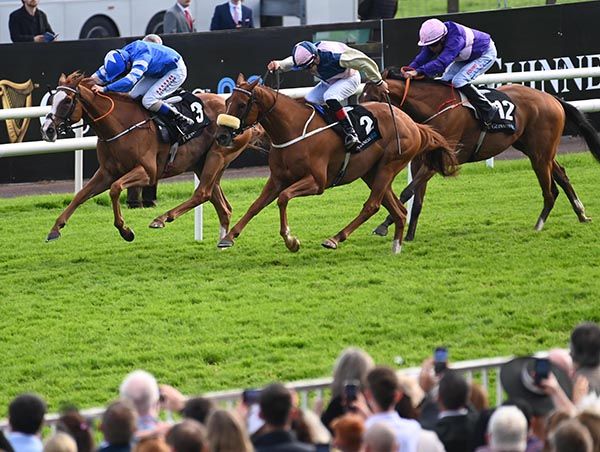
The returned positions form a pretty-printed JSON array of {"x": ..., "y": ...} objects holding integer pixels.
[
  {"x": 351, "y": 388},
  {"x": 251, "y": 396},
  {"x": 440, "y": 360},
  {"x": 541, "y": 370}
]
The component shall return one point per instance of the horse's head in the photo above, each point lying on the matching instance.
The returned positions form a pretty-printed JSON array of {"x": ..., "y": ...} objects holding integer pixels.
[
  {"x": 66, "y": 108},
  {"x": 241, "y": 114}
]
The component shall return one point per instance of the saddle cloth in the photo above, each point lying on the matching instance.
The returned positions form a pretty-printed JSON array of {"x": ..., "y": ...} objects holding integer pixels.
[
  {"x": 363, "y": 121},
  {"x": 192, "y": 107},
  {"x": 504, "y": 121}
]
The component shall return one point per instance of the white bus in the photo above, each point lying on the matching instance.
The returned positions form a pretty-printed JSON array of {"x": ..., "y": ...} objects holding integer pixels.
[{"x": 83, "y": 19}]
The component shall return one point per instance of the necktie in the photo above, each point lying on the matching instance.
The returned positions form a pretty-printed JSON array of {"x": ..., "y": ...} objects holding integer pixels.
[
  {"x": 188, "y": 19},
  {"x": 236, "y": 17}
]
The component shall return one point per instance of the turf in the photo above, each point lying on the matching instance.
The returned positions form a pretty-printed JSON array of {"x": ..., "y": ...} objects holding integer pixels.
[
  {"x": 79, "y": 313},
  {"x": 411, "y": 8}
]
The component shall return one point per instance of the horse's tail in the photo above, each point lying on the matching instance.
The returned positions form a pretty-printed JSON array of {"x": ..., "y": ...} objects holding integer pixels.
[
  {"x": 580, "y": 125},
  {"x": 439, "y": 155}
]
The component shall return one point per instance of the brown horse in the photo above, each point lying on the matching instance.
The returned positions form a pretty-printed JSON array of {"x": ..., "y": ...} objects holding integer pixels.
[
  {"x": 540, "y": 120},
  {"x": 304, "y": 161},
  {"x": 137, "y": 157}
]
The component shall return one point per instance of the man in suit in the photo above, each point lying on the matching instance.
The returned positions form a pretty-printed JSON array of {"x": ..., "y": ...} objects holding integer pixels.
[
  {"x": 231, "y": 15},
  {"x": 178, "y": 18}
]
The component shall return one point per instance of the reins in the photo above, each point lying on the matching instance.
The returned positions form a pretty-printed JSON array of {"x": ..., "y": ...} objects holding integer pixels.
[{"x": 110, "y": 110}]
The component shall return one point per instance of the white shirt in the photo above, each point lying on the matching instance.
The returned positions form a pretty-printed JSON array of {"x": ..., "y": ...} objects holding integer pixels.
[
  {"x": 407, "y": 430},
  {"x": 233, "y": 8}
]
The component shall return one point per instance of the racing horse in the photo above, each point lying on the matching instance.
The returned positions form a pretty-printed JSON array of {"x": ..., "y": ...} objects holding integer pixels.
[
  {"x": 130, "y": 152},
  {"x": 540, "y": 121},
  {"x": 306, "y": 157}
]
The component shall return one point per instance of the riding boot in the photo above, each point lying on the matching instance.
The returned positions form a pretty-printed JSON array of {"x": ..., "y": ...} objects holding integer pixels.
[
  {"x": 351, "y": 140},
  {"x": 484, "y": 107},
  {"x": 171, "y": 113}
]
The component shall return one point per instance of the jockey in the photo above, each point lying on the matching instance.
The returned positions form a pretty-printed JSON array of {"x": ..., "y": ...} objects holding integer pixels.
[
  {"x": 145, "y": 68},
  {"x": 338, "y": 66},
  {"x": 462, "y": 54}
]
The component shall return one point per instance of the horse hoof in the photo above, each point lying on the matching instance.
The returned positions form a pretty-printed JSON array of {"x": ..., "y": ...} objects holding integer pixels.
[
  {"x": 585, "y": 219},
  {"x": 157, "y": 224},
  {"x": 53, "y": 235},
  {"x": 381, "y": 230},
  {"x": 330, "y": 243},
  {"x": 225, "y": 243},
  {"x": 409, "y": 237},
  {"x": 396, "y": 247},
  {"x": 293, "y": 244},
  {"x": 127, "y": 234}
]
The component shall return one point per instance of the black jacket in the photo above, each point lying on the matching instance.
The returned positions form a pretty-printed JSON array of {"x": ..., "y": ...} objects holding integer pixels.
[
  {"x": 24, "y": 27},
  {"x": 377, "y": 9},
  {"x": 280, "y": 441}
]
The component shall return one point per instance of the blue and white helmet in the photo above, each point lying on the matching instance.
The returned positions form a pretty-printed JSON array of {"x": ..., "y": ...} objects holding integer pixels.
[
  {"x": 115, "y": 63},
  {"x": 304, "y": 54}
]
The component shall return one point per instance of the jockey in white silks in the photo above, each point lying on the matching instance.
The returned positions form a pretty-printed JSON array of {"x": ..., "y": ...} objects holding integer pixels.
[
  {"x": 148, "y": 69},
  {"x": 338, "y": 66}
]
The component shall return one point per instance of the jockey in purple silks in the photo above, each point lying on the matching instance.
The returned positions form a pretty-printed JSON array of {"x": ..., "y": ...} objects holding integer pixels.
[{"x": 461, "y": 54}]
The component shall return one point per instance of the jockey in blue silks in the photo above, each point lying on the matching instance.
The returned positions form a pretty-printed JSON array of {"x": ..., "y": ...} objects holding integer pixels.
[
  {"x": 461, "y": 54},
  {"x": 338, "y": 66},
  {"x": 145, "y": 68}
]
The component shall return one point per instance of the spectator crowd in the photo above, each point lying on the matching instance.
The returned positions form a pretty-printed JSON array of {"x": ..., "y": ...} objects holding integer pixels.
[{"x": 552, "y": 404}]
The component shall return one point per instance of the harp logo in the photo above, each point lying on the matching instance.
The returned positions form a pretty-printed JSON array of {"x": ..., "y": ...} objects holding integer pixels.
[{"x": 16, "y": 95}]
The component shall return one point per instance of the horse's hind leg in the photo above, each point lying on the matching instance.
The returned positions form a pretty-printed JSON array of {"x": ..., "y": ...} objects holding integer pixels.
[
  {"x": 561, "y": 178},
  {"x": 137, "y": 176},
  {"x": 543, "y": 171},
  {"x": 304, "y": 187},
  {"x": 99, "y": 182}
]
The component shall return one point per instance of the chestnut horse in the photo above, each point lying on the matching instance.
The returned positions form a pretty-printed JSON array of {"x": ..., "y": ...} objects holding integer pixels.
[
  {"x": 306, "y": 157},
  {"x": 540, "y": 121},
  {"x": 131, "y": 154}
]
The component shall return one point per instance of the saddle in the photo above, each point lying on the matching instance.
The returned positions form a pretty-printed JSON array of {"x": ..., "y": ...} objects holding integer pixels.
[
  {"x": 364, "y": 123},
  {"x": 189, "y": 105}
]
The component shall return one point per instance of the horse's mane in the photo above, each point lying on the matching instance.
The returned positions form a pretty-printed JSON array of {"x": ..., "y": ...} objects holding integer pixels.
[
  {"x": 395, "y": 73},
  {"x": 88, "y": 82}
]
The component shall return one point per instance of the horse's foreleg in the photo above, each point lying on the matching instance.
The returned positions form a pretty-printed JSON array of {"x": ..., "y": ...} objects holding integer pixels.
[
  {"x": 560, "y": 176},
  {"x": 415, "y": 210},
  {"x": 223, "y": 209},
  {"x": 99, "y": 182},
  {"x": 137, "y": 176},
  {"x": 304, "y": 187},
  {"x": 269, "y": 192}
]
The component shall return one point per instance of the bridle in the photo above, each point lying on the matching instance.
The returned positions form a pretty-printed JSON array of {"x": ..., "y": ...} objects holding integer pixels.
[
  {"x": 66, "y": 123},
  {"x": 251, "y": 101}
]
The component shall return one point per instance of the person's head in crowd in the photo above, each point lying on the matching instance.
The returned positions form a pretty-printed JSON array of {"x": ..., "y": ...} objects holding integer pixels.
[
  {"x": 592, "y": 422},
  {"x": 187, "y": 436},
  {"x": 453, "y": 393},
  {"x": 571, "y": 436},
  {"x": 226, "y": 433},
  {"x": 118, "y": 424},
  {"x": 60, "y": 442},
  {"x": 352, "y": 364},
  {"x": 73, "y": 423},
  {"x": 308, "y": 427},
  {"x": 553, "y": 420},
  {"x": 276, "y": 406},
  {"x": 507, "y": 430},
  {"x": 198, "y": 408},
  {"x": 26, "y": 414},
  {"x": 478, "y": 397},
  {"x": 141, "y": 389},
  {"x": 380, "y": 438},
  {"x": 585, "y": 345},
  {"x": 562, "y": 358},
  {"x": 413, "y": 395},
  {"x": 153, "y": 38},
  {"x": 152, "y": 444},
  {"x": 348, "y": 431},
  {"x": 383, "y": 389}
]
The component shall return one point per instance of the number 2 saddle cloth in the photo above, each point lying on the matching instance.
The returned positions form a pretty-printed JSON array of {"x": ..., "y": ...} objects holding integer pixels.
[{"x": 362, "y": 119}]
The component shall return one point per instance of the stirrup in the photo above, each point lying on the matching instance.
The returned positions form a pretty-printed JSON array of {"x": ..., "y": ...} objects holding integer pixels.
[{"x": 351, "y": 141}]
